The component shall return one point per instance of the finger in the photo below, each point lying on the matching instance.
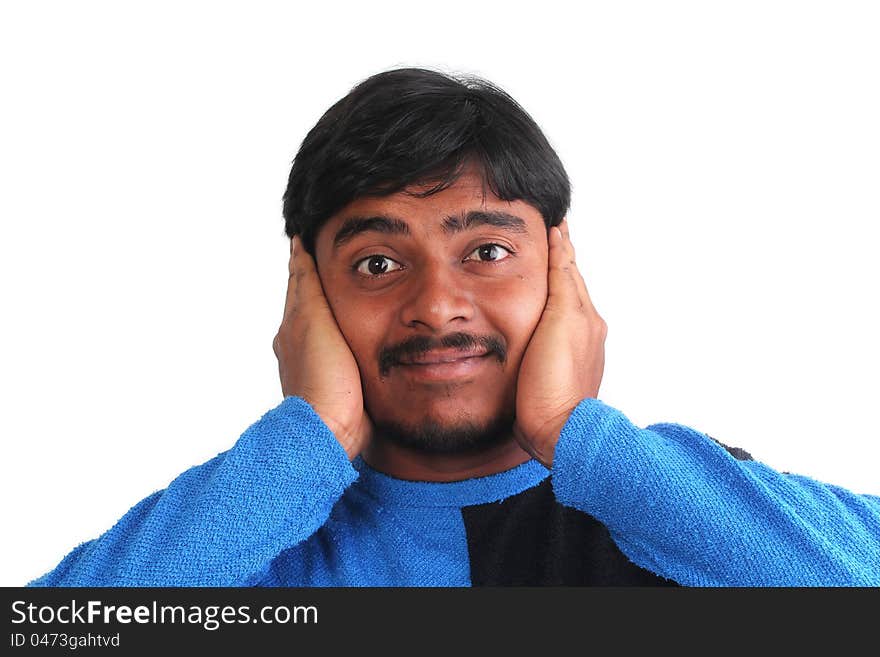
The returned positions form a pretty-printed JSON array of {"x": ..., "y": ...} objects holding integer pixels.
[
  {"x": 562, "y": 286},
  {"x": 567, "y": 247},
  {"x": 566, "y": 234},
  {"x": 584, "y": 298},
  {"x": 576, "y": 273},
  {"x": 563, "y": 226},
  {"x": 308, "y": 287},
  {"x": 290, "y": 297}
]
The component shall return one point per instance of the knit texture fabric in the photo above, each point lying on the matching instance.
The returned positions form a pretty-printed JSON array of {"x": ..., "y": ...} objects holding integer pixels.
[{"x": 284, "y": 507}]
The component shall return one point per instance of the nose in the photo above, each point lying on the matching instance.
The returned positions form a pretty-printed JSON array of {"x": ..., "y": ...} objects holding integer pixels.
[{"x": 436, "y": 298}]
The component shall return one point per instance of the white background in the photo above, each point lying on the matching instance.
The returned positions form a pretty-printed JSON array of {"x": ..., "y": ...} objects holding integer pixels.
[{"x": 724, "y": 160}]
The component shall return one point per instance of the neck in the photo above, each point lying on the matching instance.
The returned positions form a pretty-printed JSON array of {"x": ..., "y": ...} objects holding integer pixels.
[{"x": 405, "y": 463}]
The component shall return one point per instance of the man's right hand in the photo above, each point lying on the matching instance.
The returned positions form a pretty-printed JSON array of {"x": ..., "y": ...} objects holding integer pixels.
[{"x": 314, "y": 360}]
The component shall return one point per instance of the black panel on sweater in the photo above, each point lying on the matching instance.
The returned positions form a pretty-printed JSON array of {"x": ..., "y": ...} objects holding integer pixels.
[{"x": 530, "y": 539}]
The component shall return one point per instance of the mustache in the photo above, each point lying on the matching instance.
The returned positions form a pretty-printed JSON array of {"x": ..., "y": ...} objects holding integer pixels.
[{"x": 420, "y": 344}]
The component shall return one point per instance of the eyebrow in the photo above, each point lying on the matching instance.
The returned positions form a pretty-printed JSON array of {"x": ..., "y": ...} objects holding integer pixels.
[
  {"x": 451, "y": 224},
  {"x": 378, "y": 223},
  {"x": 468, "y": 220}
]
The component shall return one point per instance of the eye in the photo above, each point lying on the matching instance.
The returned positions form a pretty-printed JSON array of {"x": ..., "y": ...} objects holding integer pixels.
[
  {"x": 376, "y": 265},
  {"x": 490, "y": 252}
]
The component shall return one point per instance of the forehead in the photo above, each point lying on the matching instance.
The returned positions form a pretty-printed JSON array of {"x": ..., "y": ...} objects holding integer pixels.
[{"x": 466, "y": 204}]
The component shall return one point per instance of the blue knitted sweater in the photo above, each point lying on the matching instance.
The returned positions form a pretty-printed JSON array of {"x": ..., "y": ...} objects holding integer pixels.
[{"x": 285, "y": 507}]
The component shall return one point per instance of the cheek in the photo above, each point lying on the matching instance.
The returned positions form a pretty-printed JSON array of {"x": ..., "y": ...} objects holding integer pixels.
[
  {"x": 362, "y": 324},
  {"x": 350, "y": 311},
  {"x": 516, "y": 308}
]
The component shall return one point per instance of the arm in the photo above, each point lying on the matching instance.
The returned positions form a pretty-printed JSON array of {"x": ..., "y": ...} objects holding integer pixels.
[
  {"x": 219, "y": 523},
  {"x": 677, "y": 503}
]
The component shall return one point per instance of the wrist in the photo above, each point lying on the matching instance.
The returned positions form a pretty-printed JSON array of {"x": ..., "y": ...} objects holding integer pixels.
[
  {"x": 541, "y": 446},
  {"x": 351, "y": 440}
]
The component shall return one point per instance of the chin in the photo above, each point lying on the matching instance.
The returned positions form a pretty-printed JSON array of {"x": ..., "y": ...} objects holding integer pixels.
[{"x": 459, "y": 435}]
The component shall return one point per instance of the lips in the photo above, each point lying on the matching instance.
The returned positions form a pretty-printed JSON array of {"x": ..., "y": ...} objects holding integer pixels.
[
  {"x": 436, "y": 356},
  {"x": 445, "y": 367}
]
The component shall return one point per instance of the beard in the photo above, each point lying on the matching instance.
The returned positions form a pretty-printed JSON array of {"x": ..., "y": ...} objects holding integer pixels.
[
  {"x": 432, "y": 437},
  {"x": 462, "y": 435}
]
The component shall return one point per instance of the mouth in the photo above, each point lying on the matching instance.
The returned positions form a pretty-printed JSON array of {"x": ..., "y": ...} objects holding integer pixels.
[
  {"x": 439, "y": 356},
  {"x": 445, "y": 366}
]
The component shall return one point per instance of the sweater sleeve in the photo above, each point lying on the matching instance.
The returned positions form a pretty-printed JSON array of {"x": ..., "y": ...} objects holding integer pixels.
[
  {"x": 679, "y": 504},
  {"x": 221, "y": 523}
]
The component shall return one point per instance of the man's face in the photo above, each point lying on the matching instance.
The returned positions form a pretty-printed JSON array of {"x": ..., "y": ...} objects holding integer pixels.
[{"x": 437, "y": 298}]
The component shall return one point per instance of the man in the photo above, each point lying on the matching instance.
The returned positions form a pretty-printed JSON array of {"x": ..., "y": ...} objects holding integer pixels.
[{"x": 440, "y": 361}]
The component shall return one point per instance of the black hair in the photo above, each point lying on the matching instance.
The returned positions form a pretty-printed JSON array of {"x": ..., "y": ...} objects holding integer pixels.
[{"x": 414, "y": 126}]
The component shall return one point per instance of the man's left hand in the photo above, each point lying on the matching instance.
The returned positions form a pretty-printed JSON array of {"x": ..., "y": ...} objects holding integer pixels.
[{"x": 565, "y": 358}]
